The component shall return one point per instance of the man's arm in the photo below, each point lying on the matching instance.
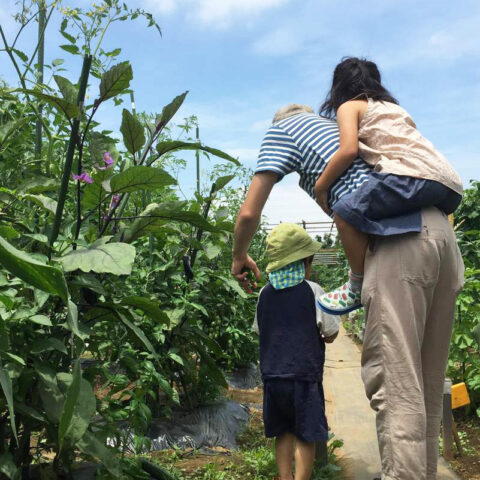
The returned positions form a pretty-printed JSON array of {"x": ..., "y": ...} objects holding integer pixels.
[{"x": 246, "y": 225}]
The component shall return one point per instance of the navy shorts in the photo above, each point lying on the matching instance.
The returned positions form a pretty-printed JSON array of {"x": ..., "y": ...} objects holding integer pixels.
[
  {"x": 294, "y": 406},
  {"x": 390, "y": 204}
]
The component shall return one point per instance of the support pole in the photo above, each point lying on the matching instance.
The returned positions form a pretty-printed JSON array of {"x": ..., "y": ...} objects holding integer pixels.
[
  {"x": 198, "y": 162},
  {"x": 40, "y": 67},
  {"x": 447, "y": 420}
]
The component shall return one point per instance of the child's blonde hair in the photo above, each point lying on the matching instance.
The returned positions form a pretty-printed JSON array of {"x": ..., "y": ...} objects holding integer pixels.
[{"x": 289, "y": 110}]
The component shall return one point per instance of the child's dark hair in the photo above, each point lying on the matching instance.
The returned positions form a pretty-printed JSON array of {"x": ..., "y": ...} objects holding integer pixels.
[{"x": 354, "y": 78}]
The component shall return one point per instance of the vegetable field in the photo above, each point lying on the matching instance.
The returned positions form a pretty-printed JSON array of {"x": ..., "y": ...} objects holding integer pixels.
[{"x": 116, "y": 301}]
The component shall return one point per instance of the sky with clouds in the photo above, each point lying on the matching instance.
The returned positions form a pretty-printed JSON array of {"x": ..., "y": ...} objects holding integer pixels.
[{"x": 243, "y": 59}]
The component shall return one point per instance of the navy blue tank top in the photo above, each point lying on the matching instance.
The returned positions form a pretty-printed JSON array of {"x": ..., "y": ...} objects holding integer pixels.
[{"x": 290, "y": 343}]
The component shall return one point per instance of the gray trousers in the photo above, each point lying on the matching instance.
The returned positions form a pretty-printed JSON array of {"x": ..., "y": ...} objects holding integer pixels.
[{"x": 409, "y": 293}]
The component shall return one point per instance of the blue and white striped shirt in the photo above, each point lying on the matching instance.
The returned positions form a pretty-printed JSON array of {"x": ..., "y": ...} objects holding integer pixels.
[{"x": 305, "y": 143}]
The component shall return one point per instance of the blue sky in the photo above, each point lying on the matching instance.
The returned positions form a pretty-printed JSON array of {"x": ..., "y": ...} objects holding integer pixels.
[{"x": 243, "y": 59}]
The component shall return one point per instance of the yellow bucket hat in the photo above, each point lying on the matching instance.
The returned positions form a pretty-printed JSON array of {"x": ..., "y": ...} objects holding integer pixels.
[{"x": 287, "y": 243}]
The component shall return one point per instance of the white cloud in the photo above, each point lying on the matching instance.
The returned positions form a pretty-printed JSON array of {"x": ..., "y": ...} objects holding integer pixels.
[
  {"x": 261, "y": 125},
  {"x": 245, "y": 155},
  {"x": 289, "y": 203},
  {"x": 279, "y": 42},
  {"x": 213, "y": 13}
]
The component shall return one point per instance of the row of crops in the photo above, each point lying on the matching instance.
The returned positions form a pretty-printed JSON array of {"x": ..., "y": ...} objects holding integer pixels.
[{"x": 116, "y": 301}]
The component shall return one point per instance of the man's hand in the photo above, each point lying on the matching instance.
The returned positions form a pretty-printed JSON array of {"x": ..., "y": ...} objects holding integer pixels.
[
  {"x": 331, "y": 338},
  {"x": 322, "y": 197},
  {"x": 241, "y": 267}
]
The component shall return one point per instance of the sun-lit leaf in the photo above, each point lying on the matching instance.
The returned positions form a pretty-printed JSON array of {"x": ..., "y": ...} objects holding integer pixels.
[
  {"x": 41, "y": 320},
  {"x": 45, "y": 202},
  {"x": 170, "y": 110},
  {"x": 33, "y": 272},
  {"x": 115, "y": 257},
  {"x": 70, "y": 110},
  {"x": 132, "y": 131},
  {"x": 221, "y": 182},
  {"x": 115, "y": 81},
  {"x": 140, "y": 178},
  {"x": 174, "y": 145},
  {"x": 68, "y": 90}
]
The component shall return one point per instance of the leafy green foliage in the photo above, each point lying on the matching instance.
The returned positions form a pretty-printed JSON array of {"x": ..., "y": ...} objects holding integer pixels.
[{"x": 114, "y": 331}]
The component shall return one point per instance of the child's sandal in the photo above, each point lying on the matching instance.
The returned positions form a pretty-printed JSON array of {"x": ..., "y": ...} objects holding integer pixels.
[{"x": 341, "y": 301}]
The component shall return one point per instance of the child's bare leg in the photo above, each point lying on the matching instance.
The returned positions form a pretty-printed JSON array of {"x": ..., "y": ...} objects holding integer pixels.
[
  {"x": 284, "y": 452},
  {"x": 347, "y": 297},
  {"x": 304, "y": 458},
  {"x": 354, "y": 243}
]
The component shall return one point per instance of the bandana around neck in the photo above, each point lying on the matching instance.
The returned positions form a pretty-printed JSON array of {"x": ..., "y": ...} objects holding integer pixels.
[{"x": 288, "y": 276}]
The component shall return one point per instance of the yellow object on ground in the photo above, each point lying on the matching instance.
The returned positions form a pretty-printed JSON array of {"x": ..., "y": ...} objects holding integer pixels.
[{"x": 460, "y": 396}]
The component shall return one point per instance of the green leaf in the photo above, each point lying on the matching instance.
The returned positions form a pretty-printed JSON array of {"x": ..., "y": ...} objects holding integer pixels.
[
  {"x": 70, "y": 48},
  {"x": 8, "y": 467},
  {"x": 132, "y": 131},
  {"x": 176, "y": 358},
  {"x": 476, "y": 334},
  {"x": 156, "y": 215},
  {"x": 233, "y": 284},
  {"x": 50, "y": 394},
  {"x": 6, "y": 384},
  {"x": 90, "y": 445},
  {"x": 115, "y": 81},
  {"x": 71, "y": 400},
  {"x": 115, "y": 257},
  {"x": 149, "y": 307},
  {"x": 41, "y": 320},
  {"x": 23, "y": 56},
  {"x": 70, "y": 110},
  {"x": 15, "y": 358},
  {"x": 46, "y": 202},
  {"x": 68, "y": 90},
  {"x": 212, "y": 251},
  {"x": 39, "y": 184},
  {"x": 220, "y": 182},
  {"x": 9, "y": 233},
  {"x": 173, "y": 145},
  {"x": 140, "y": 178},
  {"x": 138, "y": 333},
  {"x": 170, "y": 110},
  {"x": 47, "y": 344},
  {"x": 57, "y": 62},
  {"x": 69, "y": 37},
  {"x": 33, "y": 272},
  {"x": 211, "y": 366}
]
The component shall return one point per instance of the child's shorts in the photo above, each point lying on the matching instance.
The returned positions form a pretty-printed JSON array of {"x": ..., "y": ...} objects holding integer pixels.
[
  {"x": 390, "y": 204},
  {"x": 297, "y": 407}
]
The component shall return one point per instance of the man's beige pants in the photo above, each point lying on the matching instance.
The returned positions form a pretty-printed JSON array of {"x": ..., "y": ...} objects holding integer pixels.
[{"x": 409, "y": 292}]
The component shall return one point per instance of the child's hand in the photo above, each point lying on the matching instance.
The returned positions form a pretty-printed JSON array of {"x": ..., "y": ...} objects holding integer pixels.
[{"x": 331, "y": 338}]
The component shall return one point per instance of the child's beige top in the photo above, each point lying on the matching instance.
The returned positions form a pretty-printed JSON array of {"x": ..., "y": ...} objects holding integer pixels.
[{"x": 389, "y": 140}]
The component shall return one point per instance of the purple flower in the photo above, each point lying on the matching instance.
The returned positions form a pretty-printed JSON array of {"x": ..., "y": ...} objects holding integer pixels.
[
  {"x": 115, "y": 200},
  {"x": 108, "y": 160},
  {"x": 105, "y": 217},
  {"x": 83, "y": 177}
]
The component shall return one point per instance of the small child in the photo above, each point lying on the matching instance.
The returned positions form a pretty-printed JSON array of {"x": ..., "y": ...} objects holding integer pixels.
[
  {"x": 293, "y": 332},
  {"x": 409, "y": 173}
]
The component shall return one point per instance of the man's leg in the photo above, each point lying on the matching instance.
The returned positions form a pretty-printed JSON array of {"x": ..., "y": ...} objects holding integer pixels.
[
  {"x": 437, "y": 338},
  {"x": 284, "y": 452},
  {"x": 400, "y": 278}
]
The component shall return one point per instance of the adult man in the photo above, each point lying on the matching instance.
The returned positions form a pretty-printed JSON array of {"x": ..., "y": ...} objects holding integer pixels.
[{"x": 409, "y": 293}]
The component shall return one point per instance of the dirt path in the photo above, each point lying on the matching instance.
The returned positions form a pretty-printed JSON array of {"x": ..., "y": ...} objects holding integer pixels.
[{"x": 349, "y": 413}]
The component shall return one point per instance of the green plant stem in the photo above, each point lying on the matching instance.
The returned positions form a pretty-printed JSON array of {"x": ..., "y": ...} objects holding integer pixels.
[{"x": 67, "y": 170}]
